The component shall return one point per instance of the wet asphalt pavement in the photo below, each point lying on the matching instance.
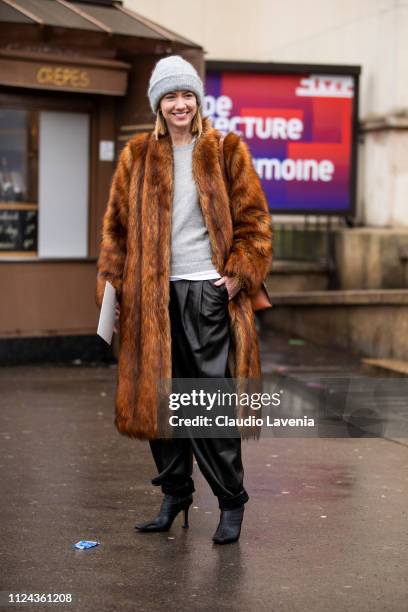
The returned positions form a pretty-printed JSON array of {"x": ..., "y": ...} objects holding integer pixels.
[{"x": 326, "y": 527}]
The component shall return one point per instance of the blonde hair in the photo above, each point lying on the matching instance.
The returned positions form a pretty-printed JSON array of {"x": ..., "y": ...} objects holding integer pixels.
[{"x": 160, "y": 128}]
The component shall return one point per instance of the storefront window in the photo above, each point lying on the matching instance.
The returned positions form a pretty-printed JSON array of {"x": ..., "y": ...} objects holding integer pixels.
[
  {"x": 18, "y": 182},
  {"x": 44, "y": 183}
]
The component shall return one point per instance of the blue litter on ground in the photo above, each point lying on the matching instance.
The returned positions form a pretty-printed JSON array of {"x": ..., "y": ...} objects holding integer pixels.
[{"x": 82, "y": 544}]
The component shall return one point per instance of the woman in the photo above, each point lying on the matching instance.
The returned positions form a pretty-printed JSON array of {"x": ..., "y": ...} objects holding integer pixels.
[{"x": 185, "y": 257}]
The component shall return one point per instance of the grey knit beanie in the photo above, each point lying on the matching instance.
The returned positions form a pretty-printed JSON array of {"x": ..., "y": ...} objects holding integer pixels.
[{"x": 173, "y": 73}]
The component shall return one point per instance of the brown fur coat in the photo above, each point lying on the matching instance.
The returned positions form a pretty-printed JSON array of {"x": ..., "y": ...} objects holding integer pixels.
[{"x": 135, "y": 257}]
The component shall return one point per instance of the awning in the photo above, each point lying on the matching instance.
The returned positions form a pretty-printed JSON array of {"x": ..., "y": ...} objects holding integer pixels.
[{"x": 108, "y": 17}]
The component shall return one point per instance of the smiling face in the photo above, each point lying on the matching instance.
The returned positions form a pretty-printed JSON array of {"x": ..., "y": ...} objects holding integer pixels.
[{"x": 179, "y": 108}]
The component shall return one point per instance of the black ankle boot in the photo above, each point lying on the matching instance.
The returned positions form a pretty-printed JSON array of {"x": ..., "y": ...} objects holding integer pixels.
[
  {"x": 229, "y": 527},
  {"x": 170, "y": 507}
]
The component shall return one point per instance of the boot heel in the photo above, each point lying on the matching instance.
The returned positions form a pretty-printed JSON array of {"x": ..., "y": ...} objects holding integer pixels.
[
  {"x": 186, "y": 509},
  {"x": 170, "y": 508}
]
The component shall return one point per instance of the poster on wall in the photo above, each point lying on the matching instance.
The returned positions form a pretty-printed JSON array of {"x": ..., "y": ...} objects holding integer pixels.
[{"x": 299, "y": 123}]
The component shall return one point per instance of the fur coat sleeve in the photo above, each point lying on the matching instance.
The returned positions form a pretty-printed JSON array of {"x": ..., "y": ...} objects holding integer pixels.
[
  {"x": 112, "y": 254},
  {"x": 251, "y": 254}
]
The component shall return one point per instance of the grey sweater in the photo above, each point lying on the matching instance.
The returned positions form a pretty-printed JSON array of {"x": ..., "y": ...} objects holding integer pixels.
[{"x": 190, "y": 245}]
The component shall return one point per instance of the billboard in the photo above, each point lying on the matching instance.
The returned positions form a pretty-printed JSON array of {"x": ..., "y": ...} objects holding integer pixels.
[{"x": 300, "y": 125}]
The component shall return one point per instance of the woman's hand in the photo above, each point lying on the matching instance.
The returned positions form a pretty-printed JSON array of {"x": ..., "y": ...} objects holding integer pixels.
[
  {"x": 231, "y": 283},
  {"x": 117, "y": 315}
]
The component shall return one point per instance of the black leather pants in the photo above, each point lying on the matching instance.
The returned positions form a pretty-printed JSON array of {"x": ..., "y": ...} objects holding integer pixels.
[{"x": 200, "y": 344}]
